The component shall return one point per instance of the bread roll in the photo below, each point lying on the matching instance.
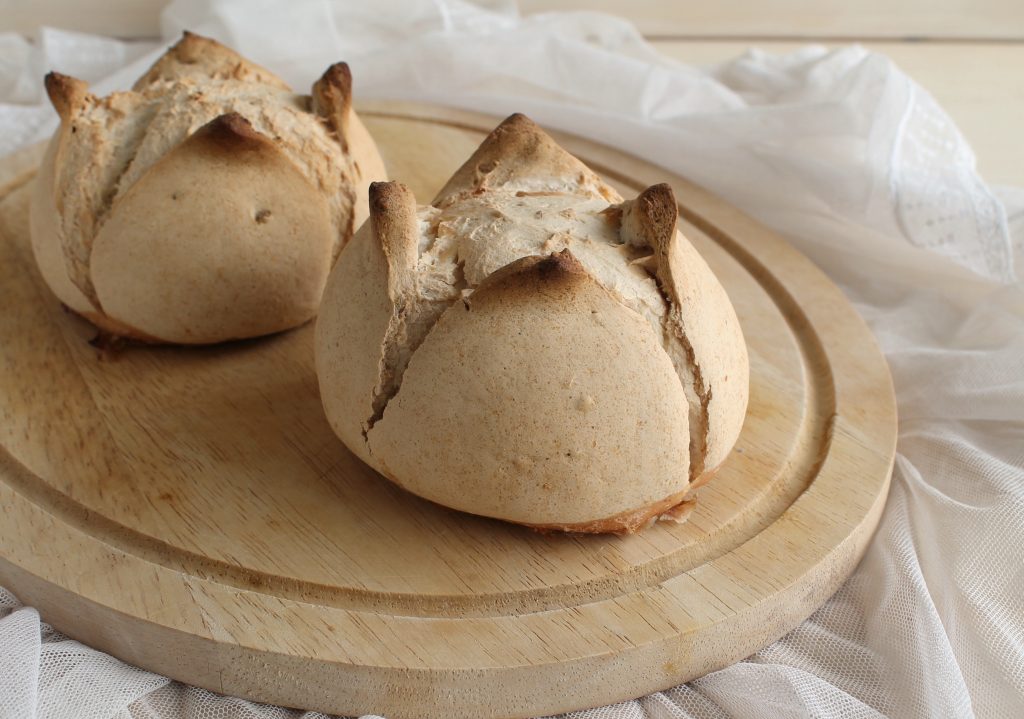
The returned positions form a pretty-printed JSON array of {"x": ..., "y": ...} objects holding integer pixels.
[
  {"x": 206, "y": 204},
  {"x": 531, "y": 346}
]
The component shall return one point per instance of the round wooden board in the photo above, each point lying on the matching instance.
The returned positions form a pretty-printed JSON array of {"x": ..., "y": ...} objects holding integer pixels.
[{"x": 190, "y": 511}]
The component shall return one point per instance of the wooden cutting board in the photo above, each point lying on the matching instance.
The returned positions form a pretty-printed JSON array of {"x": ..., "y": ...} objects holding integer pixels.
[{"x": 190, "y": 511}]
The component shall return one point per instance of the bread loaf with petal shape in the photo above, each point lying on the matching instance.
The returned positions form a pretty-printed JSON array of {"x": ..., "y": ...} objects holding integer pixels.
[
  {"x": 206, "y": 204},
  {"x": 531, "y": 346}
]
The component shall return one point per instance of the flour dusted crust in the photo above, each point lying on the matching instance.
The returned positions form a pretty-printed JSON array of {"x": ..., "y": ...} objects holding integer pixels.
[
  {"x": 531, "y": 346},
  {"x": 206, "y": 204}
]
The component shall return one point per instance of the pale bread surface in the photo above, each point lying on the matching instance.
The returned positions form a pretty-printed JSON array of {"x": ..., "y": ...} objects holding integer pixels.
[
  {"x": 254, "y": 244},
  {"x": 101, "y": 179},
  {"x": 413, "y": 380},
  {"x": 541, "y": 400}
]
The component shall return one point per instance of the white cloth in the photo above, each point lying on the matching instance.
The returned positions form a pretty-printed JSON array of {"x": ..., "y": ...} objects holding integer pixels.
[{"x": 840, "y": 152}]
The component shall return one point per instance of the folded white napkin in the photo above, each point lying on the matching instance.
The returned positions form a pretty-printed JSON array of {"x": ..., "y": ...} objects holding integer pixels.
[{"x": 837, "y": 150}]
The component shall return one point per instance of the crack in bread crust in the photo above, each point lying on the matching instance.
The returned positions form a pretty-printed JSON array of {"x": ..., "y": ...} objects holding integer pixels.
[
  {"x": 651, "y": 220},
  {"x": 699, "y": 408},
  {"x": 406, "y": 332},
  {"x": 485, "y": 229},
  {"x": 397, "y": 228},
  {"x": 509, "y": 158}
]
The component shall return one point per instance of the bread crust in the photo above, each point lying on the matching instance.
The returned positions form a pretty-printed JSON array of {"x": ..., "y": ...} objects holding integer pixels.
[
  {"x": 66, "y": 93},
  {"x": 199, "y": 58},
  {"x": 332, "y": 98},
  {"x": 46, "y": 236},
  {"x": 702, "y": 320},
  {"x": 248, "y": 243},
  {"x": 519, "y": 150},
  {"x": 482, "y": 351},
  {"x": 367, "y": 167},
  {"x": 200, "y": 108},
  {"x": 591, "y": 404},
  {"x": 675, "y": 507},
  {"x": 394, "y": 226}
]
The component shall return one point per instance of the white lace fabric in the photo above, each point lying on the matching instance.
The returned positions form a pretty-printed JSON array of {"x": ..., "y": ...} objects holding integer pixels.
[{"x": 841, "y": 153}]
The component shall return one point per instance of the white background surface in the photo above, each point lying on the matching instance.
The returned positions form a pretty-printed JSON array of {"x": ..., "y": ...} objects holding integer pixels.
[{"x": 837, "y": 150}]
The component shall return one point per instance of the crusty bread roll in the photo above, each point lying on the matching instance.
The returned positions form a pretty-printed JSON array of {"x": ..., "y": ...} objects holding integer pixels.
[
  {"x": 531, "y": 346},
  {"x": 206, "y": 204}
]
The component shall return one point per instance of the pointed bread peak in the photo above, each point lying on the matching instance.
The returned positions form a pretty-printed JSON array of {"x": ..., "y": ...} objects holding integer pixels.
[
  {"x": 390, "y": 197},
  {"x": 230, "y": 132},
  {"x": 518, "y": 154},
  {"x": 195, "y": 57},
  {"x": 650, "y": 220},
  {"x": 332, "y": 99},
  {"x": 395, "y": 225},
  {"x": 558, "y": 271},
  {"x": 67, "y": 94}
]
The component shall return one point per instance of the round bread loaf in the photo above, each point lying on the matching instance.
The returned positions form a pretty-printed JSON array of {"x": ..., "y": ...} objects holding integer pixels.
[
  {"x": 206, "y": 204},
  {"x": 531, "y": 346}
]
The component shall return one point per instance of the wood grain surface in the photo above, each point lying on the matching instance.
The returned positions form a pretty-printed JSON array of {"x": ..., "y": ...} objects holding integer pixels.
[{"x": 190, "y": 511}]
